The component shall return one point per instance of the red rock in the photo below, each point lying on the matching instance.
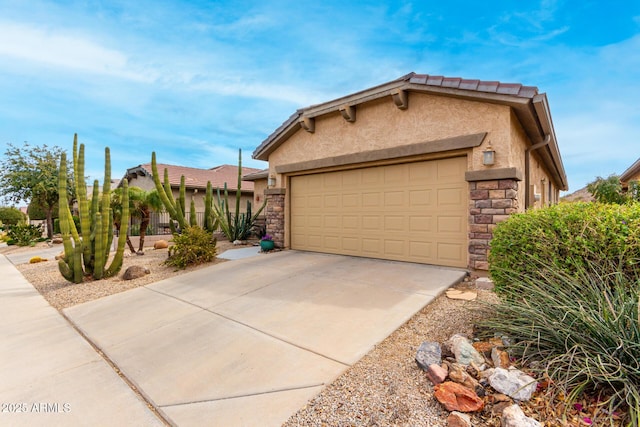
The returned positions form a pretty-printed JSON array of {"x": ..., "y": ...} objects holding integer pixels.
[
  {"x": 456, "y": 397},
  {"x": 436, "y": 374}
]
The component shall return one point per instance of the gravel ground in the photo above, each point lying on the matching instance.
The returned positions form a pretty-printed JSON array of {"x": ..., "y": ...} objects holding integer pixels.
[{"x": 385, "y": 388}]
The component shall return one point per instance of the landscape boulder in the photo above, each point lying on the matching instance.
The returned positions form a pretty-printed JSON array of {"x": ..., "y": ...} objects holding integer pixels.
[
  {"x": 135, "y": 272},
  {"x": 512, "y": 416},
  {"x": 456, "y": 397},
  {"x": 161, "y": 244},
  {"x": 512, "y": 382},
  {"x": 463, "y": 350},
  {"x": 437, "y": 374},
  {"x": 56, "y": 240},
  {"x": 429, "y": 353},
  {"x": 458, "y": 419}
]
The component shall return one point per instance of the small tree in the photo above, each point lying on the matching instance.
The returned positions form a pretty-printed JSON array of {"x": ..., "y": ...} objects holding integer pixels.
[
  {"x": 31, "y": 174},
  {"x": 609, "y": 190}
]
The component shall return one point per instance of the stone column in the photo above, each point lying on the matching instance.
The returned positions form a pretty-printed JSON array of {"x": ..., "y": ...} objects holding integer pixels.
[
  {"x": 275, "y": 214},
  {"x": 489, "y": 203}
]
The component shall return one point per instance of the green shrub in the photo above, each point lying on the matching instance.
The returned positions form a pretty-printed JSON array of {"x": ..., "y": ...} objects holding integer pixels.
[
  {"x": 583, "y": 326},
  {"x": 11, "y": 216},
  {"x": 568, "y": 236},
  {"x": 194, "y": 246},
  {"x": 25, "y": 234}
]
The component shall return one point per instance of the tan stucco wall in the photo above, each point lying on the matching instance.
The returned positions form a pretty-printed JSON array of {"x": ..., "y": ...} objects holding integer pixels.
[
  {"x": 144, "y": 182},
  {"x": 258, "y": 193},
  {"x": 635, "y": 177},
  {"x": 380, "y": 124}
]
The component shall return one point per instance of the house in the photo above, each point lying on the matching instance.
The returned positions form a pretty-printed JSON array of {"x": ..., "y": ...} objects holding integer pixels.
[
  {"x": 196, "y": 182},
  {"x": 631, "y": 174},
  {"x": 418, "y": 169}
]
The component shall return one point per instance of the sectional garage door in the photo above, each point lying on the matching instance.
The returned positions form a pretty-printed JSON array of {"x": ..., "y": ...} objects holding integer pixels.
[{"x": 408, "y": 212}]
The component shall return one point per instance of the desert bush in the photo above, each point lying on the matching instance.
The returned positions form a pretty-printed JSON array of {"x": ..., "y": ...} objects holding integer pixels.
[
  {"x": 583, "y": 329},
  {"x": 11, "y": 216},
  {"x": 568, "y": 237},
  {"x": 194, "y": 246},
  {"x": 25, "y": 234}
]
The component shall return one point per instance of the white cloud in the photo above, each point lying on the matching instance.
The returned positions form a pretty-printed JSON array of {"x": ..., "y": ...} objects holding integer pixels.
[{"x": 58, "y": 49}]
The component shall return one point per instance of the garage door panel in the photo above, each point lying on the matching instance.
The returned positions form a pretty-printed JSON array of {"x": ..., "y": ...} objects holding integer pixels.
[
  {"x": 420, "y": 224},
  {"x": 394, "y": 199},
  {"x": 420, "y": 198},
  {"x": 371, "y": 199},
  {"x": 394, "y": 247},
  {"x": 410, "y": 212},
  {"x": 393, "y": 223},
  {"x": 451, "y": 224},
  {"x": 450, "y": 196},
  {"x": 420, "y": 250},
  {"x": 371, "y": 223}
]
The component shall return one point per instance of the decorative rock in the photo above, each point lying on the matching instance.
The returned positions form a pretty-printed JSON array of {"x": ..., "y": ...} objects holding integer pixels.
[
  {"x": 487, "y": 346},
  {"x": 500, "y": 358},
  {"x": 458, "y": 373},
  {"x": 239, "y": 242},
  {"x": 161, "y": 244},
  {"x": 437, "y": 374},
  {"x": 458, "y": 419},
  {"x": 429, "y": 353},
  {"x": 60, "y": 256},
  {"x": 464, "y": 351},
  {"x": 513, "y": 382},
  {"x": 512, "y": 416},
  {"x": 456, "y": 397},
  {"x": 461, "y": 295},
  {"x": 484, "y": 283},
  {"x": 134, "y": 272},
  {"x": 56, "y": 240}
]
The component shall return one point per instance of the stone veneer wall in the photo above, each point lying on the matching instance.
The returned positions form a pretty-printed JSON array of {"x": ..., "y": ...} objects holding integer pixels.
[
  {"x": 489, "y": 203},
  {"x": 275, "y": 215}
]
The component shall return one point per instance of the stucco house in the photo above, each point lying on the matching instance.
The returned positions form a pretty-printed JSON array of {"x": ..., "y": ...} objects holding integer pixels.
[
  {"x": 631, "y": 174},
  {"x": 418, "y": 169},
  {"x": 196, "y": 181}
]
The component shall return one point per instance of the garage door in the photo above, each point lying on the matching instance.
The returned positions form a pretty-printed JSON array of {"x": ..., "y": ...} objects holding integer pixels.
[{"x": 408, "y": 212}]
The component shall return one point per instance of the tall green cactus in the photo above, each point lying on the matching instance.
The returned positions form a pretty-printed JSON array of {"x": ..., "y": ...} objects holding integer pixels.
[
  {"x": 87, "y": 252},
  {"x": 236, "y": 225},
  {"x": 174, "y": 206}
]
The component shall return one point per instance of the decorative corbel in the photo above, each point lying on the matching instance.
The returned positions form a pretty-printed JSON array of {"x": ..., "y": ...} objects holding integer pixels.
[
  {"x": 308, "y": 124},
  {"x": 348, "y": 113},
  {"x": 401, "y": 99}
]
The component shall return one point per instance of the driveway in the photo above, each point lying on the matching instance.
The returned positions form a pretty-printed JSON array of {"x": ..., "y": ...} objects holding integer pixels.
[{"x": 248, "y": 342}]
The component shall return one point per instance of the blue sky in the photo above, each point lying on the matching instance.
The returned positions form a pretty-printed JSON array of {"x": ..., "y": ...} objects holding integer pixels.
[{"x": 195, "y": 81}]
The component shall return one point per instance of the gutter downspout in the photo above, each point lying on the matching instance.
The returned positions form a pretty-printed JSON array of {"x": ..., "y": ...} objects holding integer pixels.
[{"x": 527, "y": 172}]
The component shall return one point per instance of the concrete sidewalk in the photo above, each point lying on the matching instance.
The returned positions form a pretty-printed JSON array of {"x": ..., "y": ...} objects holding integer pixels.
[
  {"x": 248, "y": 342},
  {"x": 49, "y": 374}
]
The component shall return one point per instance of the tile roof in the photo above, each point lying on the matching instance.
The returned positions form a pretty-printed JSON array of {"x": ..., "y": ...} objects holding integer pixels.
[
  {"x": 515, "y": 89},
  {"x": 198, "y": 178}
]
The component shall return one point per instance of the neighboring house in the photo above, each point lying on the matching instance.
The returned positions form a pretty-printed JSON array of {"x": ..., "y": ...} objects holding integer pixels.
[
  {"x": 196, "y": 182},
  {"x": 403, "y": 170},
  {"x": 631, "y": 174}
]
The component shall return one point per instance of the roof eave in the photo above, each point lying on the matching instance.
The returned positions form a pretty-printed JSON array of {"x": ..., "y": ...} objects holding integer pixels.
[
  {"x": 543, "y": 112},
  {"x": 630, "y": 172}
]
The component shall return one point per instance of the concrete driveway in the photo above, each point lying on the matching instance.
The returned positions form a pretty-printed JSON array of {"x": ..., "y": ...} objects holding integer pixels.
[{"x": 248, "y": 342}]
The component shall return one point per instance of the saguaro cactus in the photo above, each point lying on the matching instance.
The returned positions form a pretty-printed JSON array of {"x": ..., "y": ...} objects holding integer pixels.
[{"x": 87, "y": 251}]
